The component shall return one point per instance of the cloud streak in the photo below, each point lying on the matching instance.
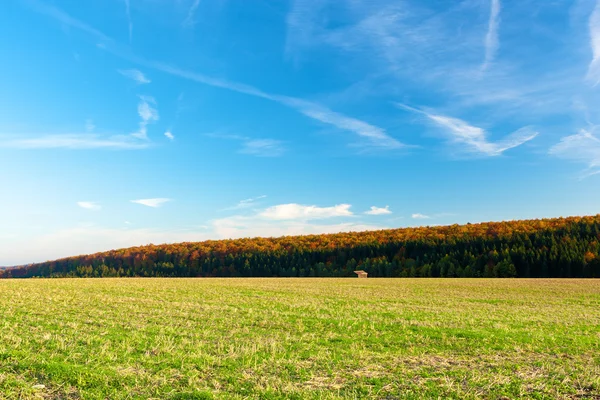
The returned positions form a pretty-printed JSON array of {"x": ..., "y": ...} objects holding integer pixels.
[
  {"x": 65, "y": 18},
  {"x": 593, "y": 74},
  {"x": 374, "y": 137},
  {"x": 474, "y": 139},
  {"x": 77, "y": 141},
  {"x": 256, "y": 147},
  {"x": 491, "y": 38},
  {"x": 89, "y": 205},
  {"x": 246, "y": 203},
  {"x": 154, "y": 203},
  {"x": 583, "y": 147},
  {"x": 189, "y": 19},
  {"x": 130, "y": 24},
  {"x": 263, "y": 148},
  {"x": 135, "y": 75}
]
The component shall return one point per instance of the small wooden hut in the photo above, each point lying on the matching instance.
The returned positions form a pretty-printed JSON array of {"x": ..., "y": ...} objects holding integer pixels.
[{"x": 361, "y": 274}]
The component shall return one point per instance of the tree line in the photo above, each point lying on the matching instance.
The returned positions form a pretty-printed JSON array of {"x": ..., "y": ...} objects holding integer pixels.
[{"x": 555, "y": 248}]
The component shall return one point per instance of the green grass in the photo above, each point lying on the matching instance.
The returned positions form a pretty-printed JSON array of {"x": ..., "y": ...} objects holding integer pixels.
[{"x": 299, "y": 339}]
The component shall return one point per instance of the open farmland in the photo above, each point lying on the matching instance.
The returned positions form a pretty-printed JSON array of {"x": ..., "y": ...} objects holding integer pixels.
[{"x": 299, "y": 338}]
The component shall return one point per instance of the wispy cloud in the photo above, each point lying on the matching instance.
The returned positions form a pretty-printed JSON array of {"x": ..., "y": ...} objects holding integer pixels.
[
  {"x": 154, "y": 203},
  {"x": 375, "y": 137},
  {"x": 420, "y": 216},
  {"x": 92, "y": 239},
  {"x": 130, "y": 24},
  {"x": 473, "y": 137},
  {"x": 148, "y": 113},
  {"x": 254, "y": 146},
  {"x": 246, "y": 203},
  {"x": 263, "y": 148},
  {"x": 379, "y": 210},
  {"x": 77, "y": 141},
  {"x": 401, "y": 48},
  {"x": 432, "y": 216},
  {"x": 89, "y": 205},
  {"x": 300, "y": 25},
  {"x": 288, "y": 219},
  {"x": 583, "y": 147},
  {"x": 169, "y": 135},
  {"x": 135, "y": 74},
  {"x": 491, "y": 38},
  {"x": 392, "y": 37},
  {"x": 302, "y": 212},
  {"x": 594, "y": 27},
  {"x": 65, "y": 18},
  {"x": 240, "y": 227},
  {"x": 189, "y": 19}
]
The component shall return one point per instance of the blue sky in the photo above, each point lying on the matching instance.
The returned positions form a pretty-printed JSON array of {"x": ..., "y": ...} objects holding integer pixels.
[{"x": 127, "y": 122}]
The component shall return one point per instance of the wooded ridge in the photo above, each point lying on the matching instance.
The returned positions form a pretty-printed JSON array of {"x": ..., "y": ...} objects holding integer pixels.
[{"x": 560, "y": 247}]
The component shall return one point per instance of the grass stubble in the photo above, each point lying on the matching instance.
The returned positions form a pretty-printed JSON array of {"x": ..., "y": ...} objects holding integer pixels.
[{"x": 299, "y": 339}]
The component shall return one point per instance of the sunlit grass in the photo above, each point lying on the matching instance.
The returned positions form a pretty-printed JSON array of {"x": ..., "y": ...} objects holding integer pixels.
[{"x": 299, "y": 338}]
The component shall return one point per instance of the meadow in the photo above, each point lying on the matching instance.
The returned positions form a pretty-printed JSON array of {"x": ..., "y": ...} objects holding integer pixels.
[{"x": 134, "y": 338}]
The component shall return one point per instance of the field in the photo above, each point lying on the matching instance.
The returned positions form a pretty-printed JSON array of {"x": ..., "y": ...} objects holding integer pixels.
[{"x": 299, "y": 338}]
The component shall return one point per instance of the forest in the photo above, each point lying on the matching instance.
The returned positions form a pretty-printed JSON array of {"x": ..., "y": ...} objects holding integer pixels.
[{"x": 542, "y": 248}]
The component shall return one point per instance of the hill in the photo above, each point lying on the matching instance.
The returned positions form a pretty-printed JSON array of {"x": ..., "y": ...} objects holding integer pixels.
[{"x": 559, "y": 247}]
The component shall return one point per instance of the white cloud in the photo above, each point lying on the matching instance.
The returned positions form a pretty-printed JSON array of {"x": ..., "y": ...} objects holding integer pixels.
[
  {"x": 583, "y": 147},
  {"x": 594, "y": 27},
  {"x": 263, "y": 147},
  {"x": 145, "y": 110},
  {"x": 65, "y": 19},
  {"x": 89, "y": 205},
  {"x": 473, "y": 137},
  {"x": 491, "y": 38},
  {"x": 135, "y": 75},
  {"x": 375, "y": 136},
  {"x": 189, "y": 20},
  {"x": 301, "y": 212},
  {"x": 285, "y": 220},
  {"x": 379, "y": 210},
  {"x": 246, "y": 203},
  {"x": 130, "y": 24},
  {"x": 271, "y": 222},
  {"x": 155, "y": 203},
  {"x": 148, "y": 114},
  {"x": 93, "y": 239},
  {"x": 402, "y": 49},
  {"x": 78, "y": 141},
  {"x": 420, "y": 216},
  {"x": 169, "y": 135},
  {"x": 239, "y": 227},
  {"x": 255, "y": 147}
]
